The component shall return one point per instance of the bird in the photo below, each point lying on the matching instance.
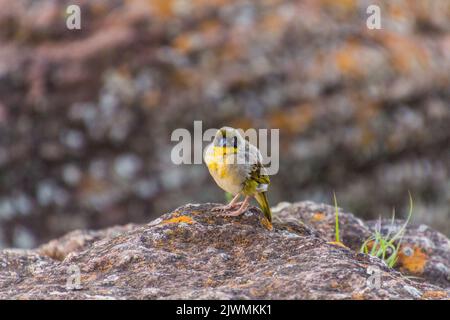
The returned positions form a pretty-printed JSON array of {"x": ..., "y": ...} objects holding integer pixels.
[{"x": 236, "y": 166}]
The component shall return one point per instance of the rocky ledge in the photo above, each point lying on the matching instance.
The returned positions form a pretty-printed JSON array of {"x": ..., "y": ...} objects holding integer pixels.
[{"x": 192, "y": 253}]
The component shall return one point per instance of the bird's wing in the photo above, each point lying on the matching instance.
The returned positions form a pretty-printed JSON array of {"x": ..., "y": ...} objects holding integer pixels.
[
  {"x": 258, "y": 179},
  {"x": 259, "y": 175}
]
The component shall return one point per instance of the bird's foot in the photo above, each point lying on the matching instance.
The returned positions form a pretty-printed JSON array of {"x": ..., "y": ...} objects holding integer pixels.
[
  {"x": 227, "y": 207},
  {"x": 236, "y": 213}
]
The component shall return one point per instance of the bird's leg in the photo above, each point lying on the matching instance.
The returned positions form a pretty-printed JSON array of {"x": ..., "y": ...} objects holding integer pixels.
[
  {"x": 234, "y": 200},
  {"x": 230, "y": 205},
  {"x": 241, "y": 210}
]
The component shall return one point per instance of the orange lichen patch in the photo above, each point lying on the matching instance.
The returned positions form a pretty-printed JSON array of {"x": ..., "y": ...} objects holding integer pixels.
[
  {"x": 434, "y": 295},
  {"x": 273, "y": 23},
  {"x": 185, "y": 77},
  {"x": 210, "y": 30},
  {"x": 269, "y": 273},
  {"x": 406, "y": 55},
  {"x": 358, "y": 296},
  {"x": 368, "y": 138},
  {"x": 318, "y": 216},
  {"x": 209, "y": 282},
  {"x": 98, "y": 9},
  {"x": 207, "y": 34},
  {"x": 88, "y": 278},
  {"x": 414, "y": 262},
  {"x": 243, "y": 242},
  {"x": 348, "y": 61},
  {"x": 370, "y": 245},
  {"x": 242, "y": 123},
  {"x": 209, "y": 3},
  {"x": 291, "y": 230},
  {"x": 393, "y": 141},
  {"x": 294, "y": 120},
  {"x": 334, "y": 284},
  {"x": 258, "y": 292},
  {"x": 342, "y": 5},
  {"x": 262, "y": 258},
  {"x": 163, "y": 8},
  {"x": 181, "y": 219},
  {"x": 91, "y": 185},
  {"x": 151, "y": 99},
  {"x": 366, "y": 111},
  {"x": 267, "y": 224},
  {"x": 397, "y": 11},
  {"x": 231, "y": 50},
  {"x": 184, "y": 43}
]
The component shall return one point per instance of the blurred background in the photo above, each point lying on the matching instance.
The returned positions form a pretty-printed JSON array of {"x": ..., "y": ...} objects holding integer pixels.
[{"x": 86, "y": 115}]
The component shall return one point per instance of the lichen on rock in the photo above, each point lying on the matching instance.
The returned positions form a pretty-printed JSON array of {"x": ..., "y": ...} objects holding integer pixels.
[{"x": 193, "y": 253}]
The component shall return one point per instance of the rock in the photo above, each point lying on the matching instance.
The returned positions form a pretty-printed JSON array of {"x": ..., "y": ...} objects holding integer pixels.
[
  {"x": 192, "y": 253},
  {"x": 84, "y": 114},
  {"x": 424, "y": 252},
  {"x": 77, "y": 240}
]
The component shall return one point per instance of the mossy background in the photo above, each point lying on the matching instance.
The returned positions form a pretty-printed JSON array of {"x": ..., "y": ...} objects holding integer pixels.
[{"x": 86, "y": 116}]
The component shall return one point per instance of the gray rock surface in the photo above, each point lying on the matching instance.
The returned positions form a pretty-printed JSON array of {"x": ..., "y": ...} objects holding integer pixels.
[
  {"x": 192, "y": 253},
  {"x": 86, "y": 115}
]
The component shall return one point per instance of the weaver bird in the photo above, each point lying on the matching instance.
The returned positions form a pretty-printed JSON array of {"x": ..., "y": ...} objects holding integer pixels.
[{"x": 236, "y": 166}]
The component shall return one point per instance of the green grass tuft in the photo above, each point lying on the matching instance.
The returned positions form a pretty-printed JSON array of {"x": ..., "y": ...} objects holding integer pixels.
[
  {"x": 336, "y": 228},
  {"x": 383, "y": 246}
]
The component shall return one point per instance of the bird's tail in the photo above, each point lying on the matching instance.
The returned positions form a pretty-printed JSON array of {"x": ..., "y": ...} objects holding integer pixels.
[{"x": 261, "y": 197}]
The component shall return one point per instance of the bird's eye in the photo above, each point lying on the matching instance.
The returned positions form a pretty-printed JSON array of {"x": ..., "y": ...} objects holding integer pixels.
[{"x": 235, "y": 142}]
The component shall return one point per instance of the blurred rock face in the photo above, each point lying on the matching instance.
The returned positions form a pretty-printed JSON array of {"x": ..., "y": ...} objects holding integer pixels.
[{"x": 86, "y": 115}]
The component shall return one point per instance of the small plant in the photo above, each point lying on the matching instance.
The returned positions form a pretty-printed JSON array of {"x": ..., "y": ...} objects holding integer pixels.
[
  {"x": 337, "y": 239},
  {"x": 383, "y": 246},
  {"x": 336, "y": 228}
]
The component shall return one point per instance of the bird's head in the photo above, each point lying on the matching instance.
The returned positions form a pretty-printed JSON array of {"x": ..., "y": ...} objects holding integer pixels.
[{"x": 228, "y": 139}]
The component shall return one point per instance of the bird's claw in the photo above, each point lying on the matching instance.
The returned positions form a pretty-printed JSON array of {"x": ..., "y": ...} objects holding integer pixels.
[
  {"x": 227, "y": 207},
  {"x": 235, "y": 213},
  {"x": 220, "y": 208},
  {"x": 231, "y": 214}
]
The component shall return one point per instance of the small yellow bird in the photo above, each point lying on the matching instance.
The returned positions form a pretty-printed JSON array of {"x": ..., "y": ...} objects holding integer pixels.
[{"x": 236, "y": 166}]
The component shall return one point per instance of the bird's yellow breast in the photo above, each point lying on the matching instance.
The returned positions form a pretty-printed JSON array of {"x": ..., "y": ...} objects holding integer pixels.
[
  {"x": 218, "y": 161},
  {"x": 223, "y": 151},
  {"x": 222, "y": 171},
  {"x": 219, "y": 169}
]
